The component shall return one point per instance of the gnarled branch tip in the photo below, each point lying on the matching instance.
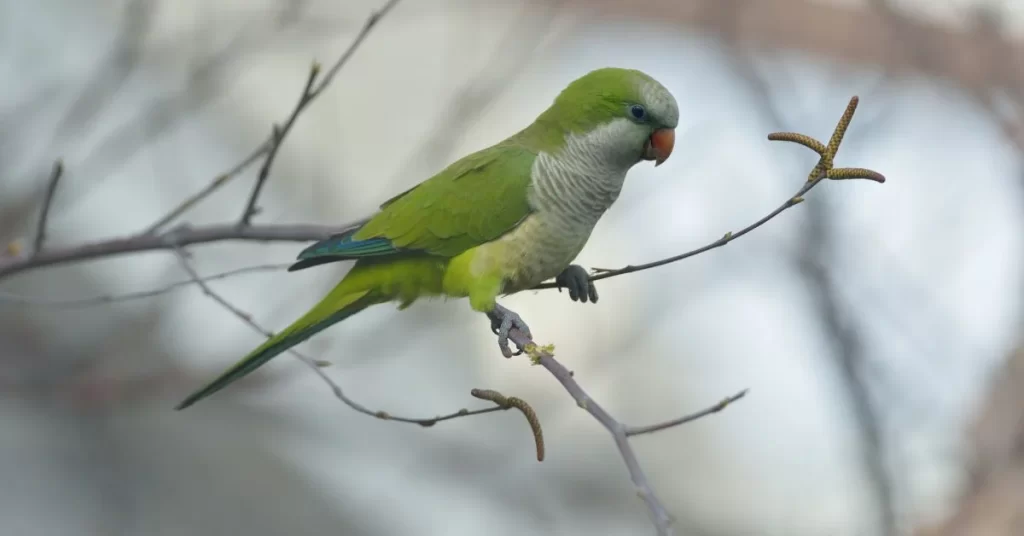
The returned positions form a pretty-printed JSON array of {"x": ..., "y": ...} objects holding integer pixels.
[{"x": 515, "y": 402}]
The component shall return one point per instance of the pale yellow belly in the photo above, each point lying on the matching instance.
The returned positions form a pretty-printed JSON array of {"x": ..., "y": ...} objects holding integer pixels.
[{"x": 537, "y": 250}]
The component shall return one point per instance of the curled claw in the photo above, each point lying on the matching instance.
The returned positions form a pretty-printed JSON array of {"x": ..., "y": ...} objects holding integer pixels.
[
  {"x": 575, "y": 279},
  {"x": 502, "y": 322}
]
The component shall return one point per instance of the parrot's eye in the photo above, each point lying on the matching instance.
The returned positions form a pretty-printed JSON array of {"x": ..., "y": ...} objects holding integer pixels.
[{"x": 637, "y": 111}]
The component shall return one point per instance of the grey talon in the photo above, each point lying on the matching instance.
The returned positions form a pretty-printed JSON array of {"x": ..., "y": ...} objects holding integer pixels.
[
  {"x": 502, "y": 322},
  {"x": 576, "y": 280}
]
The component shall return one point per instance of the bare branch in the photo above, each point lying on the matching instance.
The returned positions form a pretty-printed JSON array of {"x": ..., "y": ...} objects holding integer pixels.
[
  {"x": 425, "y": 422},
  {"x": 795, "y": 199},
  {"x": 308, "y": 94},
  {"x": 277, "y": 135},
  {"x": 180, "y": 236},
  {"x": 270, "y": 146},
  {"x": 151, "y": 240},
  {"x": 724, "y": 403},
  {"x": 372, "y": 21},
  {"x": 545, "y": 357},
  {"x": 215, "y": 184},
  {"x": 44, "y": 214},
  {"x": 313, "y": 364}
]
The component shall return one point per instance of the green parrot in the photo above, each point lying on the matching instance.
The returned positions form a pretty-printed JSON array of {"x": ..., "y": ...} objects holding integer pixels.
[{"x": 498, "y": 221}]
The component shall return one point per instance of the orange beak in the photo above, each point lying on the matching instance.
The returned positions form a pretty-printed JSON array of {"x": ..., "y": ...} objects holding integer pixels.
[{"x": 659, "y": 146}]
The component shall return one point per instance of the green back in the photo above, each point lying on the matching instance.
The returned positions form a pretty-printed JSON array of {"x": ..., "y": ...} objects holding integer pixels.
[{"x": 475, "y": 200}]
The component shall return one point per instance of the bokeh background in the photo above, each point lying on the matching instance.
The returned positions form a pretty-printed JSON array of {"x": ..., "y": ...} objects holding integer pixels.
[{"x": 877, "y": 326}]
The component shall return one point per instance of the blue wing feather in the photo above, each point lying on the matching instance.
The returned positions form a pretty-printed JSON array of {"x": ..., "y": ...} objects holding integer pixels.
[{"x": 342, "y": 247}]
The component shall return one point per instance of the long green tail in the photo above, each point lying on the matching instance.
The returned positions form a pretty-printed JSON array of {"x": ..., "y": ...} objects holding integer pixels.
[{"x": 339, "y": 304}]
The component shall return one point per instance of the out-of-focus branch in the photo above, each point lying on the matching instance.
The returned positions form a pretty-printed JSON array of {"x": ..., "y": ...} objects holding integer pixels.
[
  {"x": 850, "y": 357},
  {"x": 152, "y": 239},
  {"x": 112, "y": 73},
  {"x": 202, "y": 84},
  {"x": 311, "y": 92},
  {"x": 9, "y": 298},
  {"x": 992, "y": 502},
  {"x": 44, "y": 214},
  {"x": 206, "y": 191},
  {"x": 270, "y": 147},
  {"x": 277, "y": 135},
  {"x": 849, "y": 353},
  {"x": 520, "y": 43},
  {"x": 846, "y": 33}
]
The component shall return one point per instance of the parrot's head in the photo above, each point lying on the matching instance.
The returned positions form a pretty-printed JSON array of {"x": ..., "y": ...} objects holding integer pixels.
[{"x": 623, "y": 115}]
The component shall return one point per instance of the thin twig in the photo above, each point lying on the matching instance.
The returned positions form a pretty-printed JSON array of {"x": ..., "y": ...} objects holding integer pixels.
[
  {"x": 383, "y": 415},
  {"x": 545, "y": 357},
  {"x": 878, "y": 476},
  {"x": 7, "y": 298},
  {"x": 277, "y": 135},
  {"x": 371, "y": 21},
  {"x": 822, "y": 171},
  {"x": 44, "y": 214},
  {"x": 272, "y": 142},
  {"x": 308, "y": 94},
  {"x": 215, "y": 184},
  {"x": 316, "y": 366},
  {"x": 724, "y": 403},
  {"x": 605, "y": 273}
]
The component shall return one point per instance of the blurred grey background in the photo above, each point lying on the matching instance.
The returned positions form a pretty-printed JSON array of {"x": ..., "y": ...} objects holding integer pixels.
[{"x": 877, "y": 326}]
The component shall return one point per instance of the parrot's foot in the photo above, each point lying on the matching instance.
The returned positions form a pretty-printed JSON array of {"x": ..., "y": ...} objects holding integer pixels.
[
  {"x": 575, "y": 278},
  {"x": 502, "y": 321}
]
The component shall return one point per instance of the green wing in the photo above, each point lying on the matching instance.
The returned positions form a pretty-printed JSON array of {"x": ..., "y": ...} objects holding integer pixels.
[{"x": 473, "y": 201}]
